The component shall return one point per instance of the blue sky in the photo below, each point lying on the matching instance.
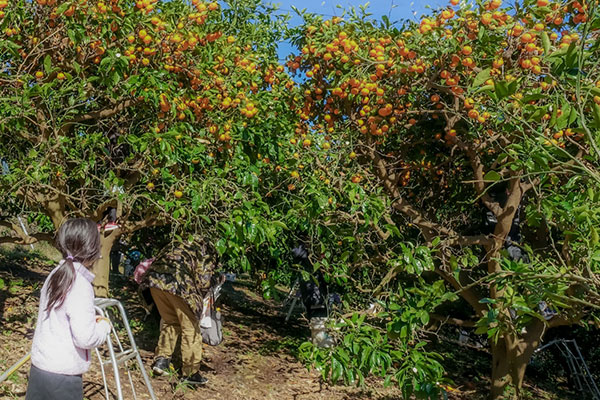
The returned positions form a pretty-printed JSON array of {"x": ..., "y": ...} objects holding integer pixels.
[{"x": 394, "y": 9}]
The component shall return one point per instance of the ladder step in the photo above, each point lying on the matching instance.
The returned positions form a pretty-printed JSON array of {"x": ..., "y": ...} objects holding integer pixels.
[{"x": 122, "y": 357}]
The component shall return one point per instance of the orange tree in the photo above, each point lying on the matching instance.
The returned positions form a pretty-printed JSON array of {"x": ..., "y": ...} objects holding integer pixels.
[
  {"x": 421, "y": 132},
  {"x": 164, "y": 111}
]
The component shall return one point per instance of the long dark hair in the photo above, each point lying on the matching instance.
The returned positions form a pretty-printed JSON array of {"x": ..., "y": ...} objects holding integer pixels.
[{"x": 78, "y": 240}]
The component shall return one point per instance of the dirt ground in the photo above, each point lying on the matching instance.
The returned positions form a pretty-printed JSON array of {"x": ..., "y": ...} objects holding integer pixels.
[{"x": 256, "y": 360}]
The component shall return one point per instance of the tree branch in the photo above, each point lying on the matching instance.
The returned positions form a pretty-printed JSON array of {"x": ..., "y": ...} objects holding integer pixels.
[
  {"x": 454, "y": 321},
  {"x": 105, "y": 113},
  {"x": 22, "y": 237}
]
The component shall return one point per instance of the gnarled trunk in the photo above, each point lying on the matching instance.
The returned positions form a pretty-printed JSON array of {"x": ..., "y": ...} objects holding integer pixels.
[
  {"x": 102, "y": 267},
  {"x": 510, "y": 356}
]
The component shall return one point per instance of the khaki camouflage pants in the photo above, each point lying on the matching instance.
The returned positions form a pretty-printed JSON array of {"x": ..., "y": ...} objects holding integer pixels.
[{"x": 178, "y": 319}]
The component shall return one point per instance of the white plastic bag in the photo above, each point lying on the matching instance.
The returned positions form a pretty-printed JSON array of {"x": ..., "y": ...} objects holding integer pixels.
[{"x": 206, "y": 321}]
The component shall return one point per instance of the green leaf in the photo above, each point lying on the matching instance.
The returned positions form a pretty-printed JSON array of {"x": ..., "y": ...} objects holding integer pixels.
[
  {"x": 48, "y": 64},
  {"x": 63, "y": 7},
  {"x": 563, "y": 120},
  {"x": 336, "y": 370},
  {"x": 596, "y": 113},
  {"x": 545, "y": 42},
  {"x": 485, "y": 88},
  {"x": 595, "y": 90},
  {"x": 221, "y": 246},
  {"x": 492, "y": 176},
  {"x": 481, "y": 77},
  {"x": 115, "y": 78},
  {"x": 594, "y": 236},
  {"x": 571, "y": 57},
  {"x": 501, "y": 89}
]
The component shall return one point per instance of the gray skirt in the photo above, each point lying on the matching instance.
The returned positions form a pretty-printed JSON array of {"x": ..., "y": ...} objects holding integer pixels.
[{"x": 45, "y": 385}]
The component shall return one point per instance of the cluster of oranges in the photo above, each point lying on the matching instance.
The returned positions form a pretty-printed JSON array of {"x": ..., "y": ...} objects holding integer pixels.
[
  {"x": 11, "y": 31},
  {"x": 3, "y": 5},
  {"x": 365, "y": 82},
  {"x": 145, "y": 6},
  {"x": 249, "y": 110}
]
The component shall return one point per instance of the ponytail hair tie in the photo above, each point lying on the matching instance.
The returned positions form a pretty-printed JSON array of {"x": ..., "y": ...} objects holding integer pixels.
[{"x": 70, "y": 257}]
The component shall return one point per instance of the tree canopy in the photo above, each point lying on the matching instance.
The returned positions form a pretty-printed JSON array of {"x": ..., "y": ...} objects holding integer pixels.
[{"x": 446, "y": 170}]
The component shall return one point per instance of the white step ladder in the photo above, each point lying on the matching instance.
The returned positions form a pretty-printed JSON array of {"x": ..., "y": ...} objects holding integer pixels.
[
  {"x": 578, "y": 368},
  {"x": 121, "y": 357}
]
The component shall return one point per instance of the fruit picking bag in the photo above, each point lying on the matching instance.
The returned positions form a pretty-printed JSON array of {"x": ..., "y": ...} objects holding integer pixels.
[{"x": 211, "y": 325}]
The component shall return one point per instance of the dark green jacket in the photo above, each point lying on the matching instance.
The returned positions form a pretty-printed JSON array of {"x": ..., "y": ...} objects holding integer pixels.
[{"x": 184, "y": 270}]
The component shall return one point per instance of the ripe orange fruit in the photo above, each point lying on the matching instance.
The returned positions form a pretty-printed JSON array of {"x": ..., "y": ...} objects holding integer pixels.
[
  {"x": 486, "y": 19},
  {"x": 527, "y": 38},
  {"x": 473, "y": 114},
  {"x": 542, "y": 3},
  {"x": 386, "y": 111},
  {"x": 69, "y": 11},
  {"x": 597, "y": 100},
  {"x": 526, "y": 63},
  {"x": 60, "y": 76},
  {"x": 39, "y": 74},
  {"x": 306, "y": 143},
  {"x": 467, "y": 50}
]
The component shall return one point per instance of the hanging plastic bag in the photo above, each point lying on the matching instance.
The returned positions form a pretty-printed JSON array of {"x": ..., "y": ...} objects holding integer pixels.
[{"x": 211, "y": 325}]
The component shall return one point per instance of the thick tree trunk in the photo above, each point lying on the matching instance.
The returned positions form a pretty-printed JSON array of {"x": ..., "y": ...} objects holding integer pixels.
[
  {"x": 510, "y": 357},
  {"x": 501, "y": 377},
  {"x": 102, "y": 267}
]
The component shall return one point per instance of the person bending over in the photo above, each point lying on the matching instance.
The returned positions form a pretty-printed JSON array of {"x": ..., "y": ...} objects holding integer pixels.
[{"x": 179, "y": 279}]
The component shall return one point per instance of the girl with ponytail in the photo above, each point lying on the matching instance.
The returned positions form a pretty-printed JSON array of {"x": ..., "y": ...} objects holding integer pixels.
[{"x": 67, "y": 326}]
